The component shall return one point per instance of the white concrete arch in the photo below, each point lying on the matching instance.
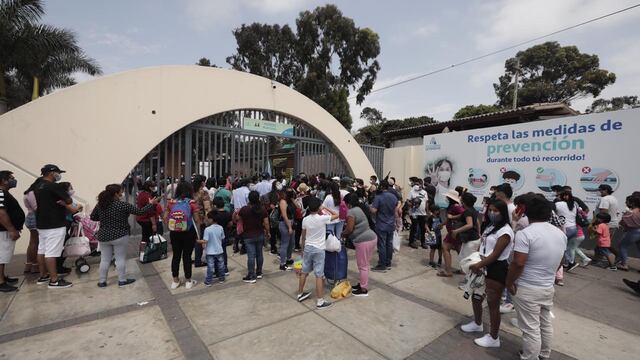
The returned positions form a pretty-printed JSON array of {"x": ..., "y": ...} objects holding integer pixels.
[{"x": 98, "y": 131}]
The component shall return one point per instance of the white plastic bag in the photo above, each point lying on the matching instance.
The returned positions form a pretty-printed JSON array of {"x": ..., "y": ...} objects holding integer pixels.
[
  {"x": 396, "y": 241},
  {"x": 333, "y": 243}
]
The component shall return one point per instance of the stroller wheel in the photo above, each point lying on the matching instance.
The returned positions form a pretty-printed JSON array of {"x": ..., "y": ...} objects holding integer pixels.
[{"x": 82, "y": 266}]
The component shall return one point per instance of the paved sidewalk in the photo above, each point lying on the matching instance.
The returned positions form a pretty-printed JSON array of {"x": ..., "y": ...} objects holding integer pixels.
[{"x": 410, "y": 313}]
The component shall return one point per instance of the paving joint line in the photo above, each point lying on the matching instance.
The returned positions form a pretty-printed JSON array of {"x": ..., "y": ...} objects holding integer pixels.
[
  {"x": 189, "y": 341},
  {"x": 62, "y": 324}
]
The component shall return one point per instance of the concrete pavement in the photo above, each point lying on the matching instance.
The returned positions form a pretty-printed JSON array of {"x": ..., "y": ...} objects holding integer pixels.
[{"x": 410, "y": 313}]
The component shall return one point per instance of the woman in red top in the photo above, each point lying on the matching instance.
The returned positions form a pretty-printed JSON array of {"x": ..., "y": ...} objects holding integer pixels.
[
  {"x": 454, "y": 213},
  {"x": 150, "y": 221}
]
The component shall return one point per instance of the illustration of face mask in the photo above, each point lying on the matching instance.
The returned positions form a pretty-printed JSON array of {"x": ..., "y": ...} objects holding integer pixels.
[{"x": 444, "y": 175}]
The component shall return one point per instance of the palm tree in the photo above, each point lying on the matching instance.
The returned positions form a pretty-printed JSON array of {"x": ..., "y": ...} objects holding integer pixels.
[
  {"x": 14, "y": 16},
  {"x": 36, "y": 55},
  {"x": 53, "y": 57}
]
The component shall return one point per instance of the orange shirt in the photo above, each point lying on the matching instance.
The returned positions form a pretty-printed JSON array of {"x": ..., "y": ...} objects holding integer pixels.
[{"x": 604, "y": 238}]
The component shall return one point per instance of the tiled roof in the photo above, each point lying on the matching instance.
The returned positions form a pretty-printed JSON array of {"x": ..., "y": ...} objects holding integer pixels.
[{"x": 504, "y": 117}]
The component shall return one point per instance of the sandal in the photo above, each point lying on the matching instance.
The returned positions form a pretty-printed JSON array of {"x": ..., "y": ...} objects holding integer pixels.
[{"x": 444, "y": 274}]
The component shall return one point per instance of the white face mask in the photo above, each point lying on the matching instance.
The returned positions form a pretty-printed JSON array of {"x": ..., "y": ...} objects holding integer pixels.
[
  {"x": 154, "y": 189},
  {"x": 71, "y": 192},
  {"x": 416, "y": 187},
  {"x": 279, "y": 186},
  {"x": 252, "y": 187},
  {"x": 444, "y": 175},
  {"x": 57, "y": 177},
  {"x": 510, "y": 181},
  {"x": 122, "y": 197}
]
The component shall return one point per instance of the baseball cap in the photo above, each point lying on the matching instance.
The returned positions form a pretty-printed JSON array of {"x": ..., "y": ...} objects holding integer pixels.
[
  {"x": 335, "y": 178},
  {"x": 49, "y": 168}
]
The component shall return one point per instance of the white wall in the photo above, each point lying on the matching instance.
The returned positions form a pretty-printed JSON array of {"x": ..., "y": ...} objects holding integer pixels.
[{"x": 404, "y": 162}]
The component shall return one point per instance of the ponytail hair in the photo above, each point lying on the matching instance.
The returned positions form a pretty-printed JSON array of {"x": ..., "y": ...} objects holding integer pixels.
[{"x": 108, "y": 196}]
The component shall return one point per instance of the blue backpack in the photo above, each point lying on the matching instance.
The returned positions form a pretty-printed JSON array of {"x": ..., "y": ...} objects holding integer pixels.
[{"x": 180, "y": 216}]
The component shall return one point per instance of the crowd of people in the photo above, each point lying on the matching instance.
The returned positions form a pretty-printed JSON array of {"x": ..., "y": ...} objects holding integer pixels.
[{"x": 525, "y": 244}]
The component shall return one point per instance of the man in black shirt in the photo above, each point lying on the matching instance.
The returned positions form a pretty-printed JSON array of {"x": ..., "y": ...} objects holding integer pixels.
[
  {"x": 53, "y": 203},
  {"x": 11, "y": 222}
]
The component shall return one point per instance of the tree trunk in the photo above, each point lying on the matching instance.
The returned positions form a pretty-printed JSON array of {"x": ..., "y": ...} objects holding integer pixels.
[{"x": 36, "y": 88}]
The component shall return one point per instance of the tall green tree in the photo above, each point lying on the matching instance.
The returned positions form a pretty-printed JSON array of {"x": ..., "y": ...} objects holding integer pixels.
[
  {"x": 372, "y": 115},
  {"x": 15, "y": 15},
  {"x": 615, "y": 103},
  {"x": 474, "y": 110},
  {"x": 206, "y": 62},
  {"x": 373, "y": 134},
  {"x": 34, "y": 56},
  {"x": 552, "y": 73},
  {"x": 326, "y": 58}
]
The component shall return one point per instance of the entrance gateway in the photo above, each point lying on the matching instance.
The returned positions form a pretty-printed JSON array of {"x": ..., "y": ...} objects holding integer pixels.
[
  {"x": 98, "y": 131},
  {"x": 243, "y": 143}
]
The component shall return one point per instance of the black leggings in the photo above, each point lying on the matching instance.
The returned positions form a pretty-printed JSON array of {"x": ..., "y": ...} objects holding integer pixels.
[{"x": 182, "y": 244}]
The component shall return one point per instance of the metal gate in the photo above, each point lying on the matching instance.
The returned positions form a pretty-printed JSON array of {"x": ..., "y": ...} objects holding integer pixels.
[{"x": 224, "y": 144}]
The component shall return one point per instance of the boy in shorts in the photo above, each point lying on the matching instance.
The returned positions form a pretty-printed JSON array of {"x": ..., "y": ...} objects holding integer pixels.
[{"x": 312, "y": 240}]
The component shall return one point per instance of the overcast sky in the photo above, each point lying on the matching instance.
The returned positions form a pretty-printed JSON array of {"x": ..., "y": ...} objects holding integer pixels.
[{"x": 415, "y": 36}]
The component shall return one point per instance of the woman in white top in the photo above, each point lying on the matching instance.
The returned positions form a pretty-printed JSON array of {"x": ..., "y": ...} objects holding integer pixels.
[
  {"x": 332, "y": 202},
  {"x": 568, "y": 209},
  {"x": 495, "y": 249}
]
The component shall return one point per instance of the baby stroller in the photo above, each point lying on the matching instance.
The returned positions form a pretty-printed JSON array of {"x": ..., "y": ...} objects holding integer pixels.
[{"x": 82, "y": 241}]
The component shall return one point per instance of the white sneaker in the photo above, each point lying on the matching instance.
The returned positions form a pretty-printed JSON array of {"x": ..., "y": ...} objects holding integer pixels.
[
  {"x": 175, "y": 285},
  {"x": 190, "y": 284},
  {"x": 506, "y": 308},
  {"x": 471, "y": 327},
  {"x": 487, "y": 341}
]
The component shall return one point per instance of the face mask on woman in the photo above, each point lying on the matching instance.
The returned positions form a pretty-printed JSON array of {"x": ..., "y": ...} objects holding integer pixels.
[
  {"x": 279, "y": 186},
  {"x": 416, "y": 187},
  {"x": 154, "y": 189},
  {"x": 71, "y": 192},
  {"x": 57, "y": 177},
  {"x": 122, "y": 197},
  {"x": 444, "y": 175},
  {"x": 494, "y": 217}
]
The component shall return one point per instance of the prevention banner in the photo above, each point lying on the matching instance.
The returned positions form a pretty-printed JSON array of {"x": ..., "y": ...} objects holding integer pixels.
[{"x": 580, "y": 151}]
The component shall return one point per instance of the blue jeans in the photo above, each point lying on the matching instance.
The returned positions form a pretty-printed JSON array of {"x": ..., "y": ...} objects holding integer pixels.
[
  {"x": 217, "y": 262},
  {"x": 573, "y": 244},
  {"x": 286, "y": 243},
  {"x": 254, "y": 254},
  {"x": 630, "y": 237},
  {"x": 336, "y": 228},
  {"x": 385, "y": 247}
]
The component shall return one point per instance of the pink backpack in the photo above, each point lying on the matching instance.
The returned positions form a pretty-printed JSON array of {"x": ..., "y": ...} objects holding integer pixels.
[
  {"x": 89, "y": 228},
  {"x": 343, "y": 210}
]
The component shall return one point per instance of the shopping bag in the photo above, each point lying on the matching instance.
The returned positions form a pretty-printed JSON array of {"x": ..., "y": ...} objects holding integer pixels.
[
  {"x": 333, "y": 243},
  {"x": 341, "y": 290},
  {"x": 396, "y": 241},
  {"x": 153, "y": 250},
  {"x": 77, "y": 246}
]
